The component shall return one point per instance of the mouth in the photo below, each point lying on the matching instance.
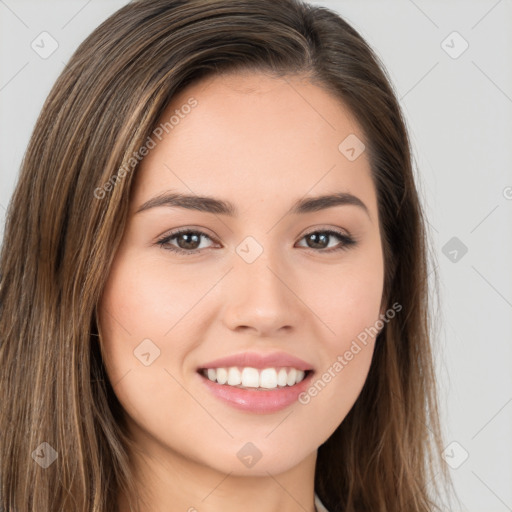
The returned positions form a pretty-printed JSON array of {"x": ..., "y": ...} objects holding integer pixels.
[
  {"x": 257, "y": 382},
  {"x": 255, "y": 379},
  {"x": 264, "y": 397}
]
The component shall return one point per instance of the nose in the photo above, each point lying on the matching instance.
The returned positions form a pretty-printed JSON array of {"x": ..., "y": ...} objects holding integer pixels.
[{"x": 263, "y": 297}]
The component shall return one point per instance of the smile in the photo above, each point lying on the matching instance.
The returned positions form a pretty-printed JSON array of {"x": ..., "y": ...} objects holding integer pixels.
[{"x": 257, "y": 399}]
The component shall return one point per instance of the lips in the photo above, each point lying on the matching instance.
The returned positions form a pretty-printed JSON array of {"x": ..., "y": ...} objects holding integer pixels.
[
  {"x": 257, "y": 400},
  {"x": 254, "y": 400},
  {"x": 259, "y": 361}
]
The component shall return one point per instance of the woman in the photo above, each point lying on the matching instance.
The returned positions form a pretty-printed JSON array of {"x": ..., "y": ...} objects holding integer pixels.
[{"x": 213, "y": 277}]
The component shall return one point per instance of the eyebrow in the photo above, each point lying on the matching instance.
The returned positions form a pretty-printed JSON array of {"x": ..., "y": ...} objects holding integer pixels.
[{"x": 221, "y": 207}]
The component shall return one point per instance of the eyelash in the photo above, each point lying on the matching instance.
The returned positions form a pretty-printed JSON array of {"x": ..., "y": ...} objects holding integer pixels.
[{"x": 346, "y": 240}]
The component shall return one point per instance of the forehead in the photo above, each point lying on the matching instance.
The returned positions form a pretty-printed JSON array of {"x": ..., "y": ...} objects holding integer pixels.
[{"x": 256, "y": 136}]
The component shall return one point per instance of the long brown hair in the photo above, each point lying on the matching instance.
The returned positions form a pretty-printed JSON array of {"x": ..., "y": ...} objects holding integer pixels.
[{"x": 67, "y": 216}]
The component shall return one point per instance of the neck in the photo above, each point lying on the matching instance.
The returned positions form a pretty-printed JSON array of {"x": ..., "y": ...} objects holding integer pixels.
[{"x": 193, "y": 487}]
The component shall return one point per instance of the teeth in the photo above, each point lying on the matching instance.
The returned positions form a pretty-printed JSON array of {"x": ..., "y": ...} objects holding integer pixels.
[
  {"x": 282, "y": 377},
  {"x": 221, "y": 375},
  {"x": 234, "y": 377},
  {"x": 250, "y": 377},
  {"x": 291, "y": 377},
  {"x": 268, "y": 378}
]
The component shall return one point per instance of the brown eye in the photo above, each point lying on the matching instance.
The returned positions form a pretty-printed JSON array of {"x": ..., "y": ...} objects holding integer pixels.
[
  {"x": 320, "y": 240},
  {"x": 187, "y": 241}
]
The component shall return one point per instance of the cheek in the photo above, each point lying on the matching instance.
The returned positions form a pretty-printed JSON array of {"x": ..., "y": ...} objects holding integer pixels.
[
  {"x": 147, "y": 299},
  {"x": 347, "y": 300},
  {"x": 138, "y": 305},
  {"x": 355, "y": 303},
  {"x": 141, "y": 315}
]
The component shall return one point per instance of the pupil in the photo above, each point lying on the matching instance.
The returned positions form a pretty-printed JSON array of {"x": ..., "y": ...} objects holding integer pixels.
[
  {"x": 314, "y": 237},
  {"x": 189, "y": 239}
]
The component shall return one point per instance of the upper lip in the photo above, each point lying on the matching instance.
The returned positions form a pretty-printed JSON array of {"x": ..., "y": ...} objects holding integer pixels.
[{"x": 260, "y": 361}]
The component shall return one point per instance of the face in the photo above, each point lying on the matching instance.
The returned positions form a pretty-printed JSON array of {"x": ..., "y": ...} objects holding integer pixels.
[{"x": 264, "y": 278}]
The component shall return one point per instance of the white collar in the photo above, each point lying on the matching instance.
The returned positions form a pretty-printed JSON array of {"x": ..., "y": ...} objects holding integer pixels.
[{"x": 319, "y": 505}]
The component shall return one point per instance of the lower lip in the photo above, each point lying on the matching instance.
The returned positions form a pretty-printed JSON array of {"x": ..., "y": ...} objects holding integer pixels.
[{"x": 258, "y": 401}]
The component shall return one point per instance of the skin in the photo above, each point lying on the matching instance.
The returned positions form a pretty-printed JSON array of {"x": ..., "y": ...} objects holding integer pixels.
[{"x": 260, "y": 143}]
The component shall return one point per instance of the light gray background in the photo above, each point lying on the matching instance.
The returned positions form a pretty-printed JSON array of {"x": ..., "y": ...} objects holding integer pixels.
[{"x": 459, "y": 112}]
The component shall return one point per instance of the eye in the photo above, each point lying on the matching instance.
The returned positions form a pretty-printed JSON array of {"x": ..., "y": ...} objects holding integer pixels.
[
  {"x": 320, "y": 240},
  {"x": 189, "y": 241}
]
